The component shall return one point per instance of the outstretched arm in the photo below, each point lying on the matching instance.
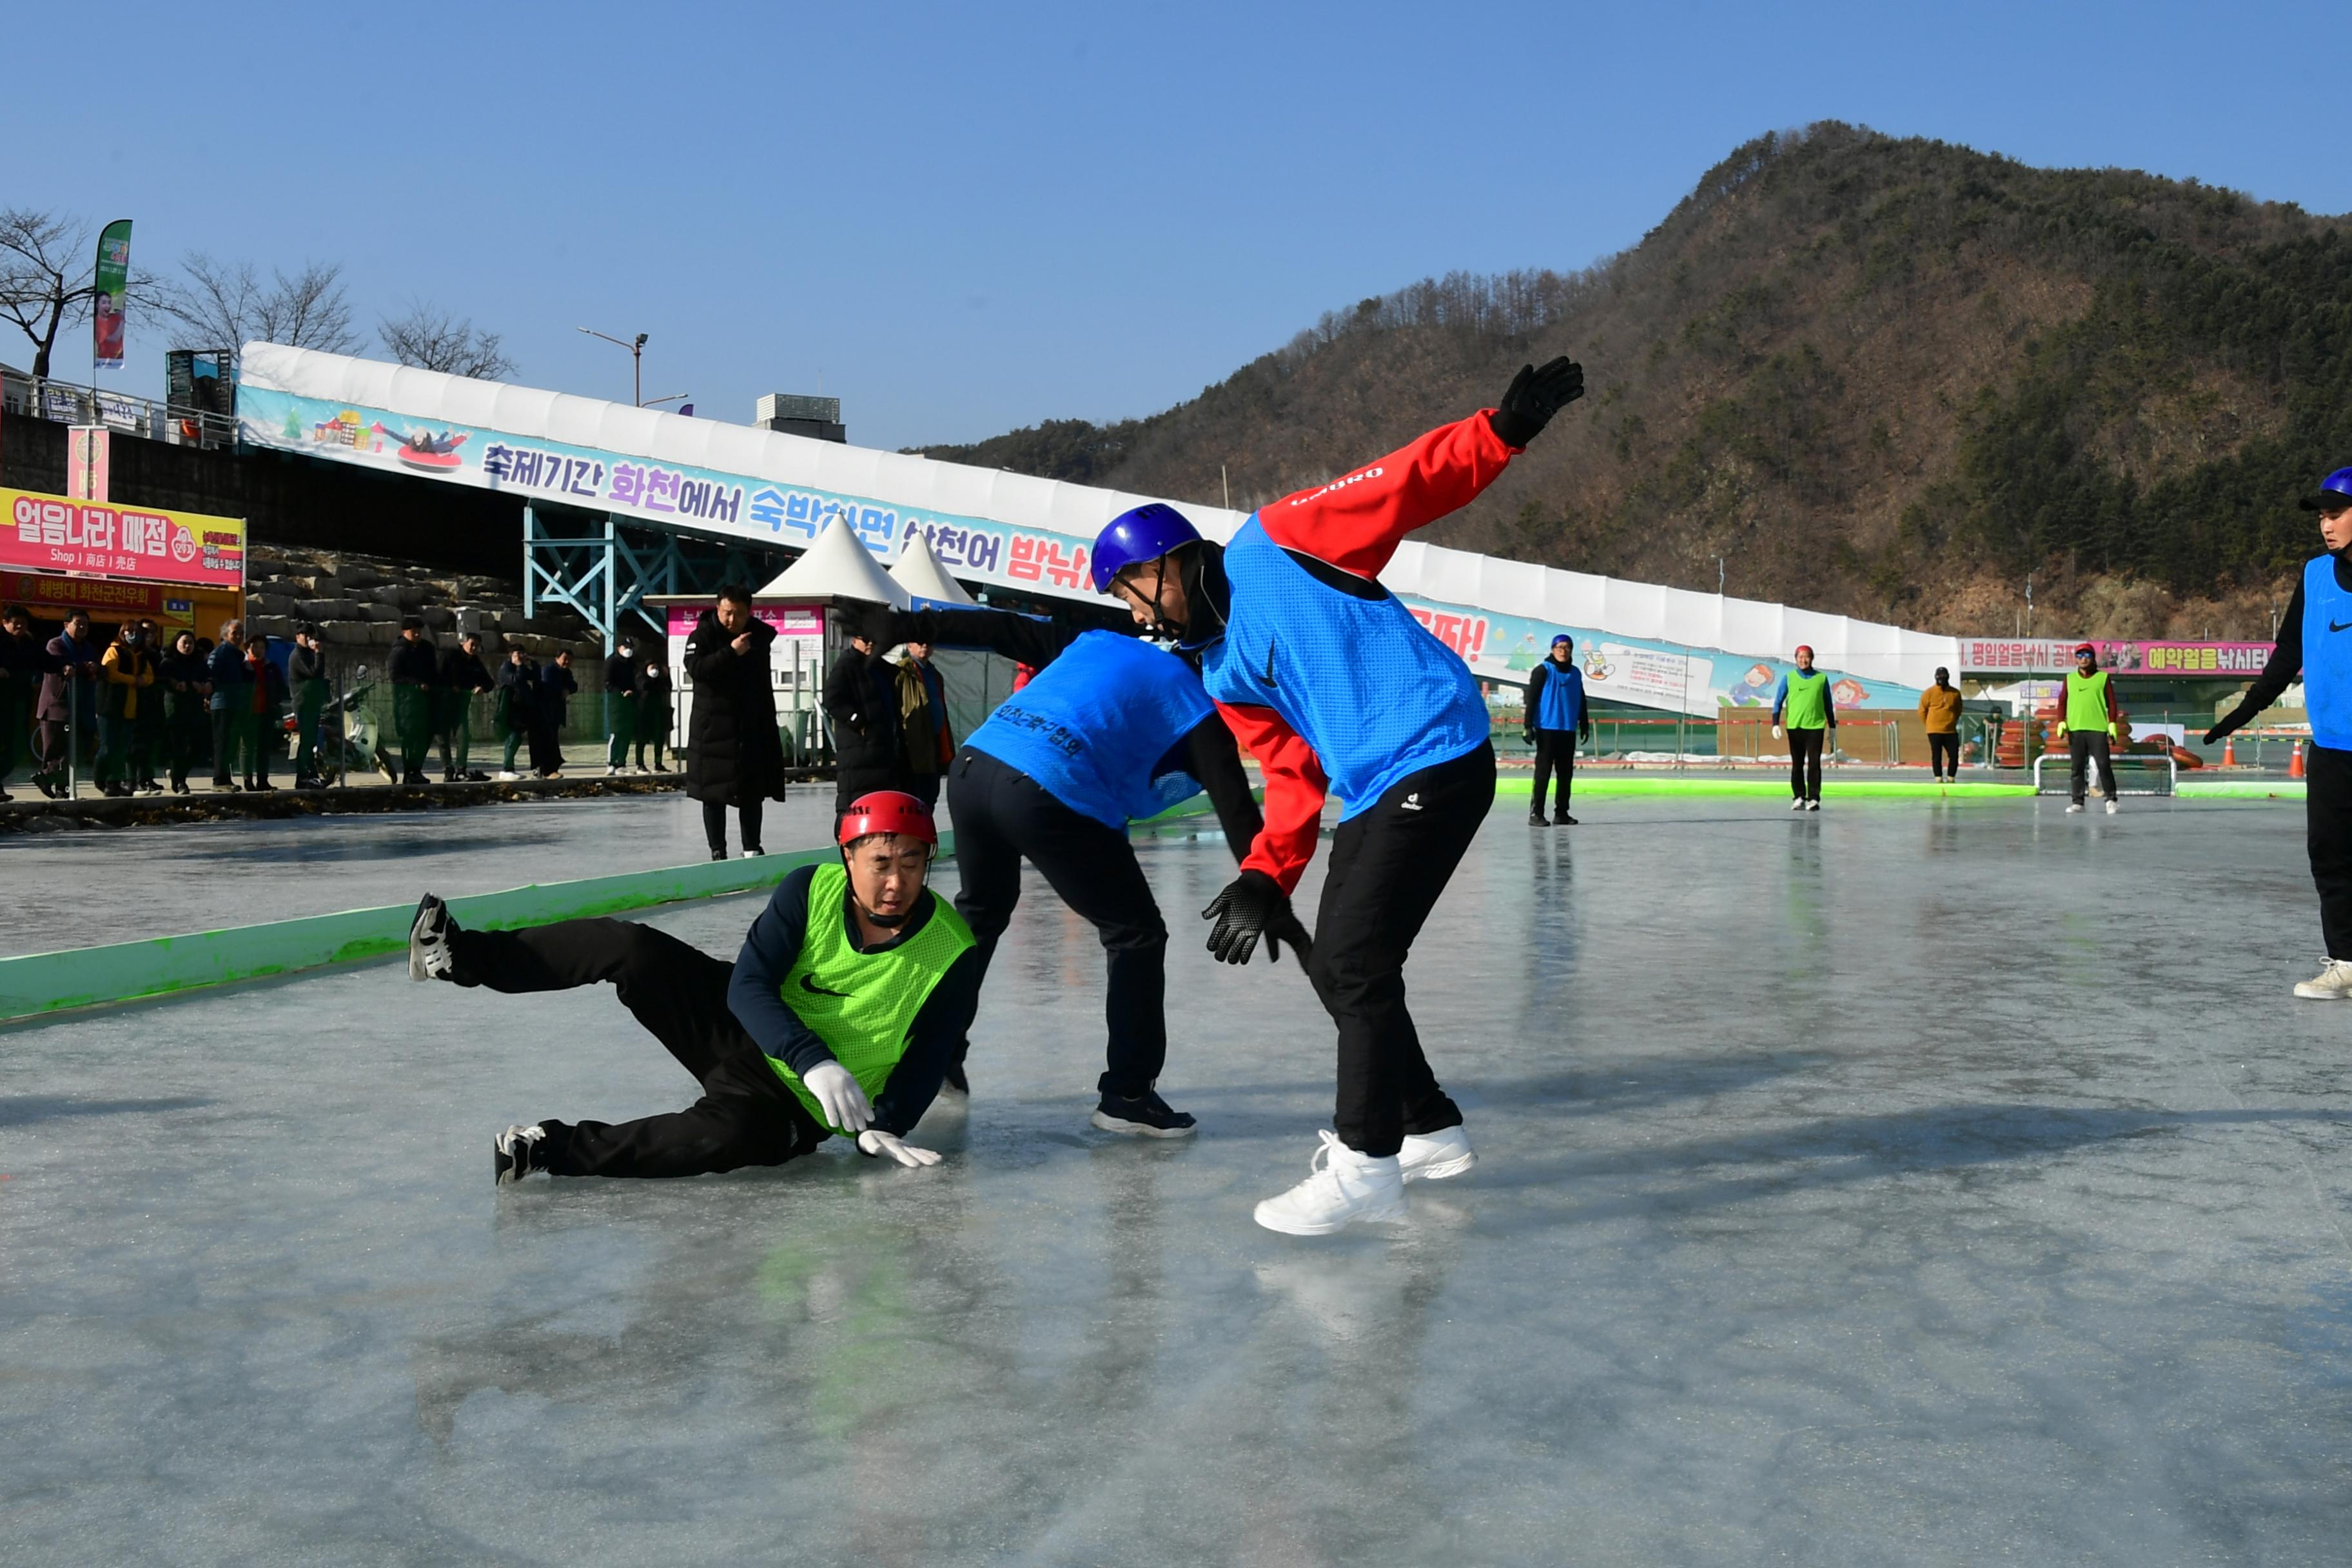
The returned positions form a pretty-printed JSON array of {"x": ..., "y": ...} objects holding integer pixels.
[
  {"x": 1208, "y": 754},
  {"x": 1356, "y": 521},
  {"x": 1018, "y": 638},
  {"x": 2286, "y": 664},
  {"x": 1295, "y": 790}
]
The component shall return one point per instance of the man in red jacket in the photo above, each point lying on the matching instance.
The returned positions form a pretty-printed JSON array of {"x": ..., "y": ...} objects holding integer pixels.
[{"x": 1334, "y": 687}]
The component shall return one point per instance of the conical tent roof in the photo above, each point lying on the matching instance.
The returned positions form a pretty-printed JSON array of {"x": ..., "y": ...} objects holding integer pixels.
[
  {"x": 919, "y": 573},
  {"x": 835, "y": 567}
]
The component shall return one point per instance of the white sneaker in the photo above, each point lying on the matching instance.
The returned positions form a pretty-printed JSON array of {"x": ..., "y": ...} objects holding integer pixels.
[
  {"x": 1813, "y": 806},
  {"x": 612, "y": 772},
  {"x": 1342, "y": 1186},
  {"x": 2111, "y": 806},
  {"x": 1797, "y": 805},
  {"x": 1436, "y": 1156},
  {"x": 2333, "y": 984},
  {"x": 508, "y": 776},
  {"x": 2074, "y": 808},
  {"x": 430, "y": 956}
]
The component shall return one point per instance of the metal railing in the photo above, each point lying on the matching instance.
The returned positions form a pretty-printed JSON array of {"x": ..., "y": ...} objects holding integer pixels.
[
  {"x": 72, "y": 403},
  {"x": 2123, "y": 762}
]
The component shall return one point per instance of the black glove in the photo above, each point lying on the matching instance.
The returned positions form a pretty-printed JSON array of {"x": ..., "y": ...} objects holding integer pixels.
[
  {"x": 1251, "y": 905},
  {"x": 1534, "y": 398},
  {"x": 1528, "y": 736}
]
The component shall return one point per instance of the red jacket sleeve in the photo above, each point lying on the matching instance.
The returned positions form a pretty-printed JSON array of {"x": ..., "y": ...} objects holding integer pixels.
[
  {"x": 1356, "y": 521},
  {"x": 1295, "y": 788}
]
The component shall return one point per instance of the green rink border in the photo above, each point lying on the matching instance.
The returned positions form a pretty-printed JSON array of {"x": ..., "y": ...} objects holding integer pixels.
[
  {"x": 1595, "y": 782},
  {"x": 2240, "y": 789}
]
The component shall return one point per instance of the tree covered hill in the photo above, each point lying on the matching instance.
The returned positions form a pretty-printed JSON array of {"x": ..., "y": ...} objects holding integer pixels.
[{"x": 1879, "y": 376}]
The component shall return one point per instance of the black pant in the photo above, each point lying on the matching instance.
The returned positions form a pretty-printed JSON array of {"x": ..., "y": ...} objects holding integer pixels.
[
  {"x": 1944, "y": 754},
  {"x": 2327, "y": 833},
  {"x": 546, "y": 746},
  {"x": 924, "y": 787},
  {"x": 1554, "y": 749},
  {"x": 1389, "y": 863},
  {"x": 2082, "y": 748},
  {"x": 1805, "y": 762},
  {"x": 714, "y": 822},
  {"x": 746, "y": 1116},
  {"x": 1003, "y": 814}
]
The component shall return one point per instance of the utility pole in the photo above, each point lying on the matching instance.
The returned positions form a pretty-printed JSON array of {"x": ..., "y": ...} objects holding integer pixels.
[
  {"x": 1718, "y": 576},
  {"x": 2029, "y": 606},
  {"x": 636, "y": 362}
]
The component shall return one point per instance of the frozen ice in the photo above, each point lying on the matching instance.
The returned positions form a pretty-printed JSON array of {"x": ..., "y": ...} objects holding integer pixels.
[{"x": 1907, "y": 1183}]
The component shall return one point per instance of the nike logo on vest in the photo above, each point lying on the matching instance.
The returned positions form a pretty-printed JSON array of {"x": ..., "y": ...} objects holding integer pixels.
[
  {"x": 809, "y": 984},
  {"x": 2339, "y": 626}
]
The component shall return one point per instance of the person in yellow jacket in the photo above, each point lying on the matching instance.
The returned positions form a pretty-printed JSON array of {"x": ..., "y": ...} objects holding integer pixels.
[
  {"x": 129, "y": 669},
  {"x": 1939, "y": 715},
  {"x": 2088, "y": 717}
]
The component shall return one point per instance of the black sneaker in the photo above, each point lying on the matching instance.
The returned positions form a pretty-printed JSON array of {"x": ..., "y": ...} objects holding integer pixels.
[
  {"x": 1536, "y": 820},
  {"x": 517, "y": 1152},
  {"x": 1561, "y": 819},
  {"x": 718, "y": 852},
  {"x": 1146, "y": 1116},
  {"x": 955, "y": 1080},
  {"x": 430, "y": 956}
]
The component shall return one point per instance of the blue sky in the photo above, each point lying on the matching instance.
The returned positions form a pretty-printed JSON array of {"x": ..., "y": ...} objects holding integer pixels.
[{"x": 960, "y": 222}]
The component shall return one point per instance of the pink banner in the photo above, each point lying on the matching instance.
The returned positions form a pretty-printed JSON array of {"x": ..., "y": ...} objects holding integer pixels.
[
  {"x": 2053, "y": 655},
  {"x": 53, "y": 534}
]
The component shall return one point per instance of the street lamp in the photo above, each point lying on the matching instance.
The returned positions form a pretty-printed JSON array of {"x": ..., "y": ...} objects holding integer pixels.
[
  {"x": 657, "y": 401},
  {"x": 636, "y": 361}
]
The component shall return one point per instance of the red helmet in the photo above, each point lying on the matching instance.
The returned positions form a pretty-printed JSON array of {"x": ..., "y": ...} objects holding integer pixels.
[{"x": 886, "y": 811}]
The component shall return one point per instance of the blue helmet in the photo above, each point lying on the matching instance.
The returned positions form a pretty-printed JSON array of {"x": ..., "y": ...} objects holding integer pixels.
[
  {"x": 1141, "y": 534},
  {"x": 2334, "y": 490}
]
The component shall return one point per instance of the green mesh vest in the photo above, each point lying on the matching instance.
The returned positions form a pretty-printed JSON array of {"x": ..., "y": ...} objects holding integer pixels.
[
  {"x": 1807, "y": 706},
  {"x": 2087, "y": 702},
  {"x": 861, "y": 1005}
]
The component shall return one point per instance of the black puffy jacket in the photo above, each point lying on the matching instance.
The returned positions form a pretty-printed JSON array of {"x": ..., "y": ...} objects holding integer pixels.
[{"x": 732, "y": 751}]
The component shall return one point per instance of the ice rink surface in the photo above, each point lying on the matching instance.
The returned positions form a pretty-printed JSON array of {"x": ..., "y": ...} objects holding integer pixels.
[{"x": 1907, "y": 1183}]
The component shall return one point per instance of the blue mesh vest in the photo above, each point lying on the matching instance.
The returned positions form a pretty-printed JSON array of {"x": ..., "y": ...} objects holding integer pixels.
[
  {"x": 1089, "y": 727},
  {"x": 1560, "y": 704},
  {"x": 1359, "y": 680},
  {"x": 2327, "y": 655}
]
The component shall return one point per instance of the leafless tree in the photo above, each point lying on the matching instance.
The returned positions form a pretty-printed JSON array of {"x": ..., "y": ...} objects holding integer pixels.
[
  {"x": 225, "y": 305},
  {"x": 431, "y": 338},
  {"x": 48, "y": 276}
]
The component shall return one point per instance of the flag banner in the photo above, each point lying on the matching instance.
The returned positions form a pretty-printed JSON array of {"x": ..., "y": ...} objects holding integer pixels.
[{"x": 106, "y": 318}]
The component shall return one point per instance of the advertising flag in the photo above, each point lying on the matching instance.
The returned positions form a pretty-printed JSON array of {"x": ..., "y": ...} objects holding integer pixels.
[{"x": 113, "y": 278}]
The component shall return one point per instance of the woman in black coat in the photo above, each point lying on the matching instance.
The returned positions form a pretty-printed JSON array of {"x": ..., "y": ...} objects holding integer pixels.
[{"x": 733, "y": 754}]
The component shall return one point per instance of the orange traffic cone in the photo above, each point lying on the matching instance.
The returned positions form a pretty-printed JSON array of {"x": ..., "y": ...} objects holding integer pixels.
[
  {"x": 2295, "y": 762},
  {"x": 2230, "y": 751}
]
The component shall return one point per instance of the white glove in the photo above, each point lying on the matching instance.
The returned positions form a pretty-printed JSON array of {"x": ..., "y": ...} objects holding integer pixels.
[
  {"x": 1778, "y": 733},
  {"x": 873, "y": 1140},
  {"x": 838, "y": 1096}
]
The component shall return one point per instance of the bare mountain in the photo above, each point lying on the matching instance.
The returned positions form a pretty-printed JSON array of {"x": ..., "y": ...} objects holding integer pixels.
[{"x": 1878, "y": 376}]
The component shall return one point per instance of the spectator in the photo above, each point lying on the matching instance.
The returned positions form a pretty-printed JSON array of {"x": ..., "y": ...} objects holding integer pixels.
[
  {"x": 24, "y": 659},
  {"x": 861, "y": 698},
  {"x": 1939, "y": 715},
  {"x": 187, "y": 689},
  {"x": 150, "y": 743},
  {"x": 620, "y": 704},
  {"x": 128, "y": 675},
  {"x": 1803, "y": 706},
  {"x": 267, "y": 720},
  {"x": 415, "y": 675},
  {"x": 923, "y": 721},
  {"x": 231, "y": 703},
  {"x": 461, "y": 676},
  {"x": 518, "y": 697},
  {"x": 2087, "y": 715},
  {"x": 551, "y": 708},
  {"x": 68, "y": 709},
  {"x": 653, "y": 714},
  {"x": 306, "y": 672},
  {"x": 733, "y": 754},
  {"x": 1555, "y": 719}
]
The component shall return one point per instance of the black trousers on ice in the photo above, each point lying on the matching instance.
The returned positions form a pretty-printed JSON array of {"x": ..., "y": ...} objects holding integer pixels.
[
  {"x": 2328, "y": 834},
  {"x": 1389, "y": 863},
  {"x": 714, "y": 822},
  {"x": 1554, "y": 749},
  {"x": 2081, "y": 748},
  {"x": 1002, "y": 816},
  {"x": 746, "y": 1116},
  {"x": 1805, "y": 762},
  {"x": 1944, "y": 754}
]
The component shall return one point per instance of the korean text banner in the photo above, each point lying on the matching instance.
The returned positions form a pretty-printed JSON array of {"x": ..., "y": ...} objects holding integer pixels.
[
  {"x": 106, "y": 318},
  {"x": 2051, "y": 656},
  {"x": 94, "y": 539}
]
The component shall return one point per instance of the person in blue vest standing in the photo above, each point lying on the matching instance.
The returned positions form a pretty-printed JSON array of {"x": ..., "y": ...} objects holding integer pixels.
[
  {"x": 1109, "y": 731},
  {"x": 1803, "y": 710},
  {"x": 1334, "y": 686},
  {"x": 1556, "y": 719},
  {"x": 2314, "y": 640}
]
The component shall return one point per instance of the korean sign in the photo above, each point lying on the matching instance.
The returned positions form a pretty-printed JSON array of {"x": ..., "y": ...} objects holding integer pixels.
[
  {"x": 51, "y": 533},
  {"x": 2051, "y": 656}
]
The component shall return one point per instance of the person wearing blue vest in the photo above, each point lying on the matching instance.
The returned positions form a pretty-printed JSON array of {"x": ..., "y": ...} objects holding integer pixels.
[
  {"x": 2314, "y": 640},
  {"x": 1109, "y": 731},
  {"x": 1334, "y": 687},
  {"x": 1804, "y": 710},
  {"x": 1556, "y": 719},
  {"x": 838, "y": 1015}
]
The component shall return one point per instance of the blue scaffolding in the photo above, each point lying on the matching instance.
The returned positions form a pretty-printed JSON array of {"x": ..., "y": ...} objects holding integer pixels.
[{"x": 605, "y": 575}]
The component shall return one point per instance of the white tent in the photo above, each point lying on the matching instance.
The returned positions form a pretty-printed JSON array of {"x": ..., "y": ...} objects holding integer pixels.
[
  {"x": 919, "y": 573},
  {"x": 835, "y": 567}
]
